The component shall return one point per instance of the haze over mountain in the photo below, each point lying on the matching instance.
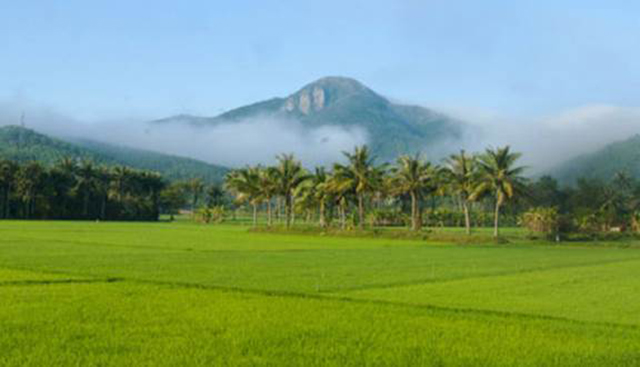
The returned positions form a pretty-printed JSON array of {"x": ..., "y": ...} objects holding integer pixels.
[
  {"x": 342, "y": 103},
  {"x": 332, "y": 115},
  {"x": 620, "y": 156},
  {"x": 22, "y": 144}
]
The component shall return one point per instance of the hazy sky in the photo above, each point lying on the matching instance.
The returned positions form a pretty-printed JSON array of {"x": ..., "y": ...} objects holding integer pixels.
[{"x": 107, "y": 59}]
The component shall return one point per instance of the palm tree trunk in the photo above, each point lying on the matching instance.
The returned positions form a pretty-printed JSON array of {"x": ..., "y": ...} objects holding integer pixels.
[
  {"x": 8, "y": 208},
  {"x": 467, "y": 217},
  {"x": 103, "y": 209},
  {"x": 414, "y": 211},
  {"x": 85, "y": 204},
  {"x": 496, "y": 219},
  {"x": 322, "y": 219},
  {"x": 269, "y": 212},
  {"x": 287, "y": 209},
  {"x": 360, "y": 211},
  {"x": 343, "y": 216},
  {"x": 255, "y": 215},
  {"x": 5, "y": 203}
]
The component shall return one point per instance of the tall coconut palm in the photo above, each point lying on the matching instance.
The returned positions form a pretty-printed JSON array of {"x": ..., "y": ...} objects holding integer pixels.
[
  {"x": 62, "y": 180},
  {"x": 103, "y": 181},
  {"x": 245, "y": 184},
  {"x": 500, "y": 176},
  {"x": 215, "y": 195},
  {"x": 361, "y": 176},
  {"x": 289, "y": 174},
  {"x": 120, "y": 177},
  {"x": 30, "y": 178},
  {"x": 340, "y": 190},
  {"x": 8, "y": 170},
  {"x": 268, "y": 189},
  {"x": 461, "y": 171},
  {"x": 86, "y": 184},
  {"x": 322, "y": 195},
  {"x": 153, "y": 184},
  {"x": 313, "y": 195},
  {"x": 195, "y": 187},
  {"x": 414, "y": 177}
]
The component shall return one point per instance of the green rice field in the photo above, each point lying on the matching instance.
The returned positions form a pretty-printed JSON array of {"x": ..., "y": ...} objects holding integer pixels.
[{"x": 175, "y": 294}]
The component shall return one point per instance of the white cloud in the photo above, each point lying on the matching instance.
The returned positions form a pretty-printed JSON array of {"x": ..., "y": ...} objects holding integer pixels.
[
  {"x": 232, "y": 144},
  {"x": 253, "y": 141},
  {"x": 544, "y": 140},
  {"x": 549, "y": 140}
]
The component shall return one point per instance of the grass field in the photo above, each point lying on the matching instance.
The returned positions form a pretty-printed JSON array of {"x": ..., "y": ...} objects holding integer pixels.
[{"x": 137, "y": 294}]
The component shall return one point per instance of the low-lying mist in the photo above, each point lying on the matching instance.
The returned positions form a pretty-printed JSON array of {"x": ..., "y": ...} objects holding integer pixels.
[
  {"x": 253, "y": 141},
  {"x": 551, "y": 140},
  {"x": 239, "y": 143},
  {"x": 544, "y": 141}
]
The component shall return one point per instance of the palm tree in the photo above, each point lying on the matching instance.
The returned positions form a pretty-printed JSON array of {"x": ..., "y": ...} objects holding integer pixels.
[
  {"x": 414, "y": 177},
  {"x": 461, "y": 172},
  {"x": 268, "y": 188},
  {"x": 360, "y": 175},
  {"x": 153, "y": 184},
  {"x": 120, "y": 179},
  {"x": 312, "y": 194},
  {"x": 62, "y": 180},
  {"x": 500, "y": 176},
  {"x": 30, "y": 178},
  {"x": 195, "y": 187},
  {"x": 8, "y": 170},
  {"x": 86, "y": 184},
  {"x": 288, "y": 175},
  {"x": 245, "y": 184},
  {"x": 322, "y": 195},
  {"x": 215, "y": 195},
  {"x": 340, "y": 190},
  {"x": 172, "y": 199},
  {"x": 103, "y": 181}
]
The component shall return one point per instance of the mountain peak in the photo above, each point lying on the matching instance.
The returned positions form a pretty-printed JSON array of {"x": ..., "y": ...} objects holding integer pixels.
[
  {"x": 337, "y": 101},
  {"x": 341, "y": 82},
  {"x": 323, "y": 92}
]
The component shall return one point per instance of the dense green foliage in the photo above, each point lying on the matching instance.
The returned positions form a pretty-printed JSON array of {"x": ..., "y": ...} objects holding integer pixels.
[
  {"x": 622, "y": 156},
  {"x": 183, "y": 294},
  {"x": 71, "y": 190},
  {"x": 393, "y": 129},
  {"x": 24, "y": 145},
  {"x": 361, "y": 188},
  {"x": 593, "y": 205},
  {"x": 470, "y": 190}
]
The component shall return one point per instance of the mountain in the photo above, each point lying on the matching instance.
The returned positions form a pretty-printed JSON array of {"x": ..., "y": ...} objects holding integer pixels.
[
  {"x": 22, "y": 144},
  {"x": 392, "y": 128},
  {"x": 602, "y": 164}
]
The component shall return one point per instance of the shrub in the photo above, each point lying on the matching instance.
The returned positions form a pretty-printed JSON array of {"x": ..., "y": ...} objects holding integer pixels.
[
  {"x": 215, "y": 214},
  {"x": 387, "y": 217},
  {"x": 542, "y": 220}
]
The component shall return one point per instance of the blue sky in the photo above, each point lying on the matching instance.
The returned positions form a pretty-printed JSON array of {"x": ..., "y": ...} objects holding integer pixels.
[{"x": 107, "y": 59}]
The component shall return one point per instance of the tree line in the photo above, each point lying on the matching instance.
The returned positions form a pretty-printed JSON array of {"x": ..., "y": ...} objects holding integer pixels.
[
  {"x": 78, "y": 190},
  {"x": 466, "y": 190},
  {"x": 360, "y": 187}
]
